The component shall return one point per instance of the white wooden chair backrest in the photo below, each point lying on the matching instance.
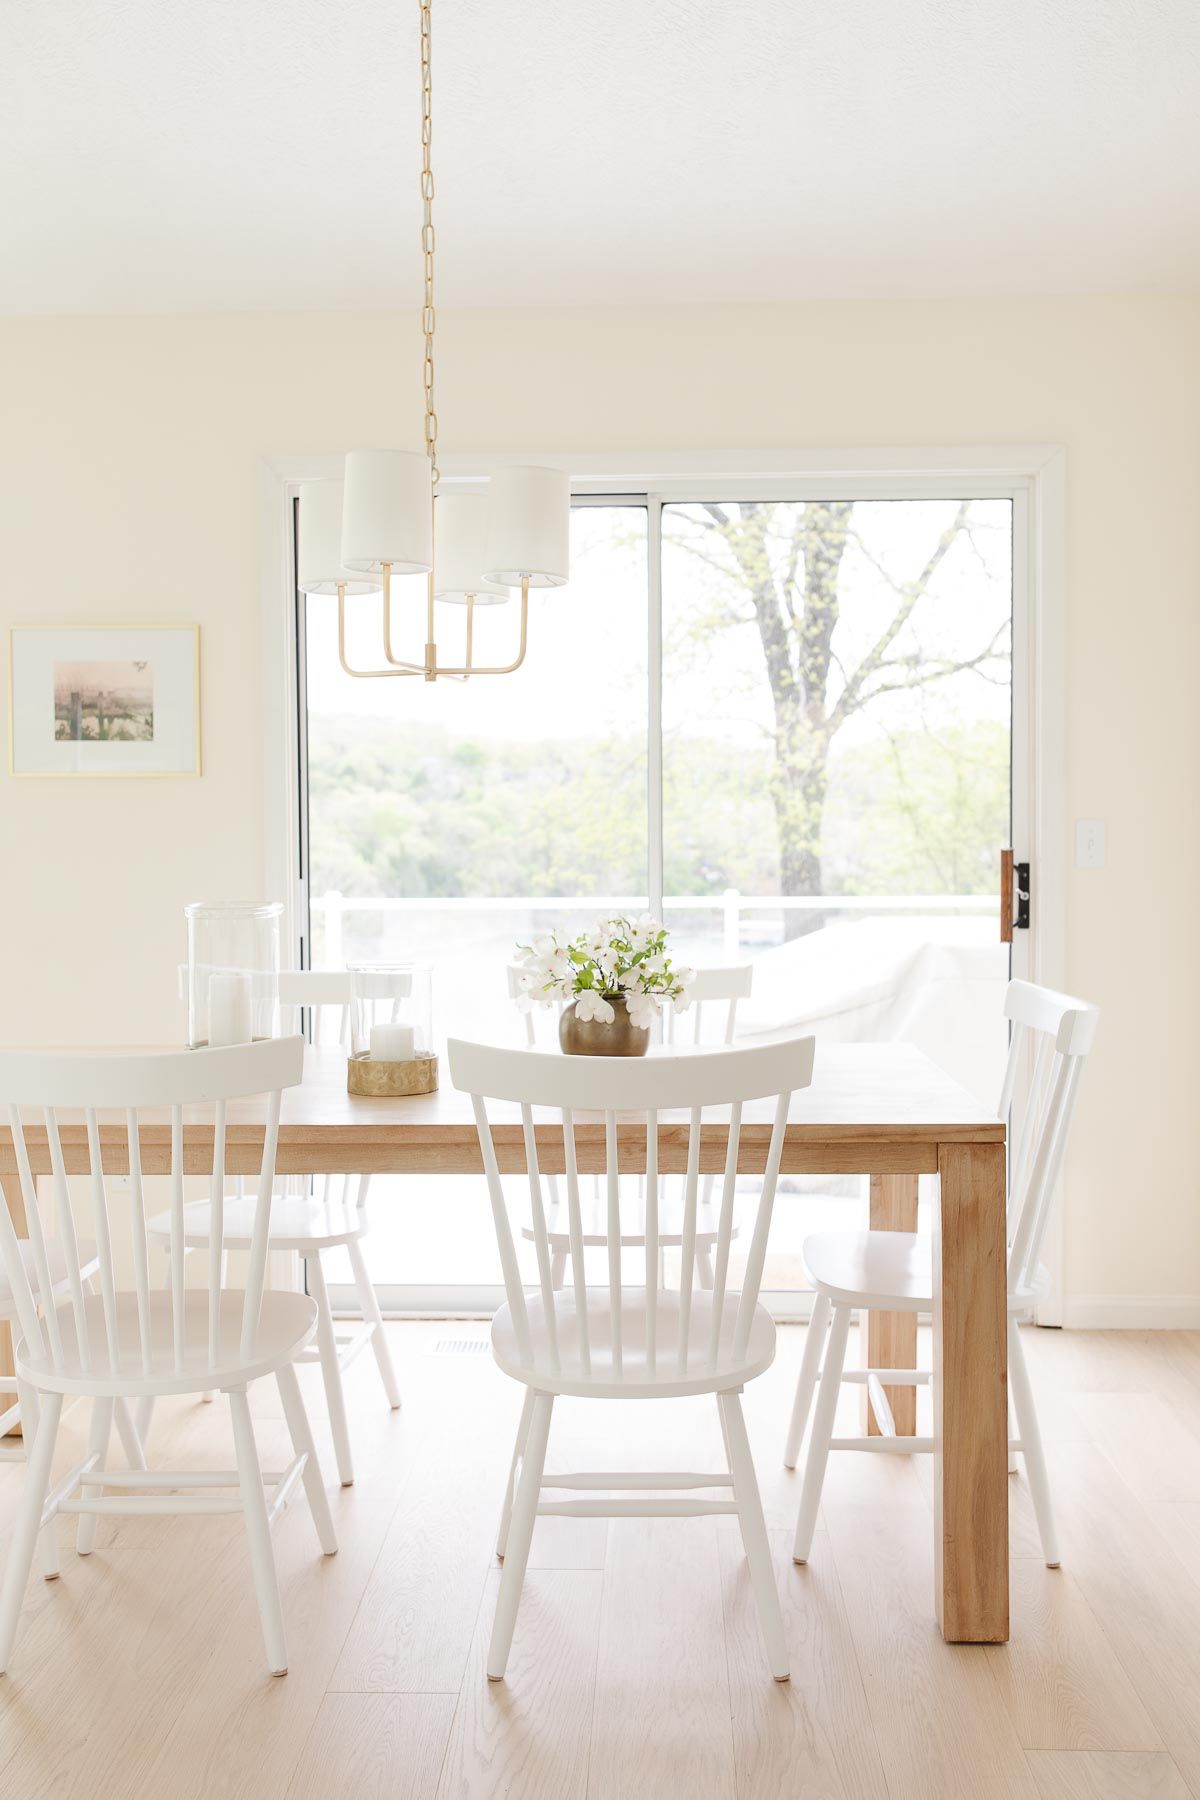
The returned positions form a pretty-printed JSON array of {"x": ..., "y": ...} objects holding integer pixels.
[
  {"x": 710, "y": 988},
  {"x": 1056, "y": 1031},
  {"x": 570, "y": 1085},
  {"x": 324, "y": 994},
  {"x": 128, "y": 1086}
]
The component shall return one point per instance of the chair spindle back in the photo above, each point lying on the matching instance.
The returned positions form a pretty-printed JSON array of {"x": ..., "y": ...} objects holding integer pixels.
[
  {"x": 1055, "y": 1032},
  {"x": 634, "y": 1099},
  {"x": 130, "y": 1086}
]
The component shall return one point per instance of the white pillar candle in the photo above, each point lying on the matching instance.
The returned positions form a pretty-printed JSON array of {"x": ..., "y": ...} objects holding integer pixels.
[
  {"x": 392, "y": 1043},
  {"x": 230, "y": 1008}
]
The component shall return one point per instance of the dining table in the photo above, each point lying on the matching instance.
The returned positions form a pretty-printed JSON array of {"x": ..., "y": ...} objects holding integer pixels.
[{"x": 881, "y": 1110}]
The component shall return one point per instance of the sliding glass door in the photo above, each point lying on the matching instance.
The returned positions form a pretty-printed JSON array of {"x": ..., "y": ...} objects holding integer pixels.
[{"x": 786, "y": 723}]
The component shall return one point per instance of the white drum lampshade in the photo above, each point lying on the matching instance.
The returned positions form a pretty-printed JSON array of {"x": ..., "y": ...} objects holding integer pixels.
[
  {"x": 320, "y": 567},
  {"x": 528, "y": 527},
  {"x": 387, "y": 512},
  {"x": 459, "y": 521}
]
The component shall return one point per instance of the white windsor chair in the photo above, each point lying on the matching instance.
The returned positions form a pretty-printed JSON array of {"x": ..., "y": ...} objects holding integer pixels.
[
  {"x": 24, "y": 1410},
  {"x": 712, "y": 987},
  {"x": 616, "y": 1342},
  {"x": 892, "y": 1270},
  {"x": 128, "y": 1344},
  {"x": 311, "y": 1225}
]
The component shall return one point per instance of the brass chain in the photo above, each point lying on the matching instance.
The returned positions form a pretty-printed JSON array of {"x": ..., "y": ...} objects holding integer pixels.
[{"x": 428, "y": 315}]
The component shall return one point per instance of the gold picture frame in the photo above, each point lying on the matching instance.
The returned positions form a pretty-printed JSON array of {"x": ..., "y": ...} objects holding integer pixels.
[{"x": 37, "y": 744}]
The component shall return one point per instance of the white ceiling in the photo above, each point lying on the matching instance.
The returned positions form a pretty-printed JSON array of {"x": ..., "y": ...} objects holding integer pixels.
[{"x": 171, "y": 154}]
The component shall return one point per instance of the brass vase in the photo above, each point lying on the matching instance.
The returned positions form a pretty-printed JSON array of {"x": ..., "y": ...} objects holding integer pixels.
[{"x": 590, "y": 1037}]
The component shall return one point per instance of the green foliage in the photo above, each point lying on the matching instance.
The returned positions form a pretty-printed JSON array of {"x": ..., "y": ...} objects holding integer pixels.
[{"x": 397, "y": 809}]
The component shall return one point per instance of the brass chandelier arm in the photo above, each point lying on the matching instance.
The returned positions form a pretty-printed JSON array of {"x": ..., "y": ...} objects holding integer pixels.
[
  {"x": 502, "y": 668},
  {"x": 397, "y": 662},
  {"x": 364, "y": 674},
  {"x": 431, "y": 669}
]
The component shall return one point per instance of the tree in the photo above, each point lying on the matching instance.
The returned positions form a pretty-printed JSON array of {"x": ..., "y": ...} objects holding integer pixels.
[{"x": 786, "y": 563}]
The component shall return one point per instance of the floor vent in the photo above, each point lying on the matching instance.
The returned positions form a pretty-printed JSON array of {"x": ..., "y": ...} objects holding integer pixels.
[{"x": 459, "y": 1346}]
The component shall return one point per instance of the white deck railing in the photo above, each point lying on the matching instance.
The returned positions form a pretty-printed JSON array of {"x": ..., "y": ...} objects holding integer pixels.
[{"x": 332, "y": 909}]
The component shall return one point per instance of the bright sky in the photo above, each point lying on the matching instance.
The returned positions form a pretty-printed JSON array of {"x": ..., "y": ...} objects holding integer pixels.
[{"x": 585, "y": 673}]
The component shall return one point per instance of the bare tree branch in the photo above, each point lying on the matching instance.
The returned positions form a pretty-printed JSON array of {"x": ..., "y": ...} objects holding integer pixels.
[{"x": 912, "y": 592}]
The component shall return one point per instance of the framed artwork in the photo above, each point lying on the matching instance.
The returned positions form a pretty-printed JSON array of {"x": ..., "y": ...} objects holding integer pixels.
[{"x": 104, "y": 700}]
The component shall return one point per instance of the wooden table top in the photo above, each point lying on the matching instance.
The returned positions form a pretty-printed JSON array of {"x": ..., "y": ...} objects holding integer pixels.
[{"x": 871, "y": 1107}]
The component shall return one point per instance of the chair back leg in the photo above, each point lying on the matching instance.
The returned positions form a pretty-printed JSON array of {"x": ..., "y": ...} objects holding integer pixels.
[
  {"x": 98, "y": 1438},
  {"x": 331, "y": 1369},
  {"x": 302, "y": 1442},
  {"x": 822, "y": 1432},
  {"x": 368, "y": 1301},
  {"x": 810, "y": 1366},
  {"x": 1031, "y": 1445}
]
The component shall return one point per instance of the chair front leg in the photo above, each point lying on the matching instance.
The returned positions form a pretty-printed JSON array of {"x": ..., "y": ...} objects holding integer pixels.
[
  {"x": 27, "y": 1524},
  {"x": 258, "y": 1532},
  {"x": 520, "y": 1536},
  {"x": 754, "y": 1534},
  {"x": 27, "y": 1400},
  {"x": 331, "y": 1369}
]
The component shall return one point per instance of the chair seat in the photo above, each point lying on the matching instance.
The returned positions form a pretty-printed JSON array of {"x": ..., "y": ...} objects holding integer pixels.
[
  {"x": 887, "y": 1270},
  {"x": 298, "y": 1222},
  {"x": 286, "y": 1323},
  {"x": 594, "y": 1218},
  {"x": 57, "y": 1263},
  {"x": 635, "y": 1380}
]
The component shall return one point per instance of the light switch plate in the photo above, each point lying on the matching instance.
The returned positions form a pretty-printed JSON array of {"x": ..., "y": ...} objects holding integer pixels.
[{"x": 1089, "y": 843}]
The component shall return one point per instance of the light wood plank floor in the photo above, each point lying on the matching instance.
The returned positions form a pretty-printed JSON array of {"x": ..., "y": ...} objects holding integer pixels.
[{"x": 637, "y": 1668}]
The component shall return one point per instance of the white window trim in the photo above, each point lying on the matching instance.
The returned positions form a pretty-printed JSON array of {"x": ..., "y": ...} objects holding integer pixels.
[{"x": 1032, "y": 476}]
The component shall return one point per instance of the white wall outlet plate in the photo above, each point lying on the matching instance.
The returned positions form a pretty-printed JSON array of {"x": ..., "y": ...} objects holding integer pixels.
[{"x": 1089, "y": 843}]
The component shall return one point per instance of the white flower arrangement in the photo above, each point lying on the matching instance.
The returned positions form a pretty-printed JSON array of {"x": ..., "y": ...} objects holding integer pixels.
[{"x": 617, "y": 960}]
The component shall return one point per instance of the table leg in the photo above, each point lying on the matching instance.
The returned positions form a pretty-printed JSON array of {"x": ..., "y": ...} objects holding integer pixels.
[
  {"x": 892, "y": 1337},
  {"x": 11, "y": 1185},
  {"x": 970, "y": 1395}
]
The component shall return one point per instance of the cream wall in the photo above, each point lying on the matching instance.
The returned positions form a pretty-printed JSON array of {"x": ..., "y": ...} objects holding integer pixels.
[{"x": 129, "y": 481}]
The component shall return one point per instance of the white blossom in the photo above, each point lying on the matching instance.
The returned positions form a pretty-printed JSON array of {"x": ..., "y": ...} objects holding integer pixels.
[{"x": 591, "y": 1005}]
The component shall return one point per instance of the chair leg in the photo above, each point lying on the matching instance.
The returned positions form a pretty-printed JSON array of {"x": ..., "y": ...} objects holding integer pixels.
[
  {"x": 143, "y": 1418},
  {"x": 822, "y": 1431},
  {"x": 1031, "y": 1439},
  {"x": 258, "y": 1532},
  {"x": 208, "y": 1396},
  {"x": 27, "y": 1524},
  {"x": 810, "y": 1366},
  {"x": 302, "y": 1443},
  {"x": 754, "y": 1534},
  {"x": 558, "y": 1268},
  {"x": 128, "y": 1433},
  {"x": 368, "y": 1300},
  {"x": 101, "y": 1431},
  {"x": 520, "y": 1535},
  {"x": 518, "y": 1453},
  {"x": 704, "y": 1268},
  {"x": 48, "y": 1540},
  {"x": 331, "y": 1370}
]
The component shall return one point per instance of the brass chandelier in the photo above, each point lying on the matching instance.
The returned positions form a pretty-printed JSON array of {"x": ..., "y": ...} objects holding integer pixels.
[{"x": 386, "y": 516}]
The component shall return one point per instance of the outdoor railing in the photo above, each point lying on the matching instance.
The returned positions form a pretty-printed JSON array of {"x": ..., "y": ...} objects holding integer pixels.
[{"x": 332, "y": 909}]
